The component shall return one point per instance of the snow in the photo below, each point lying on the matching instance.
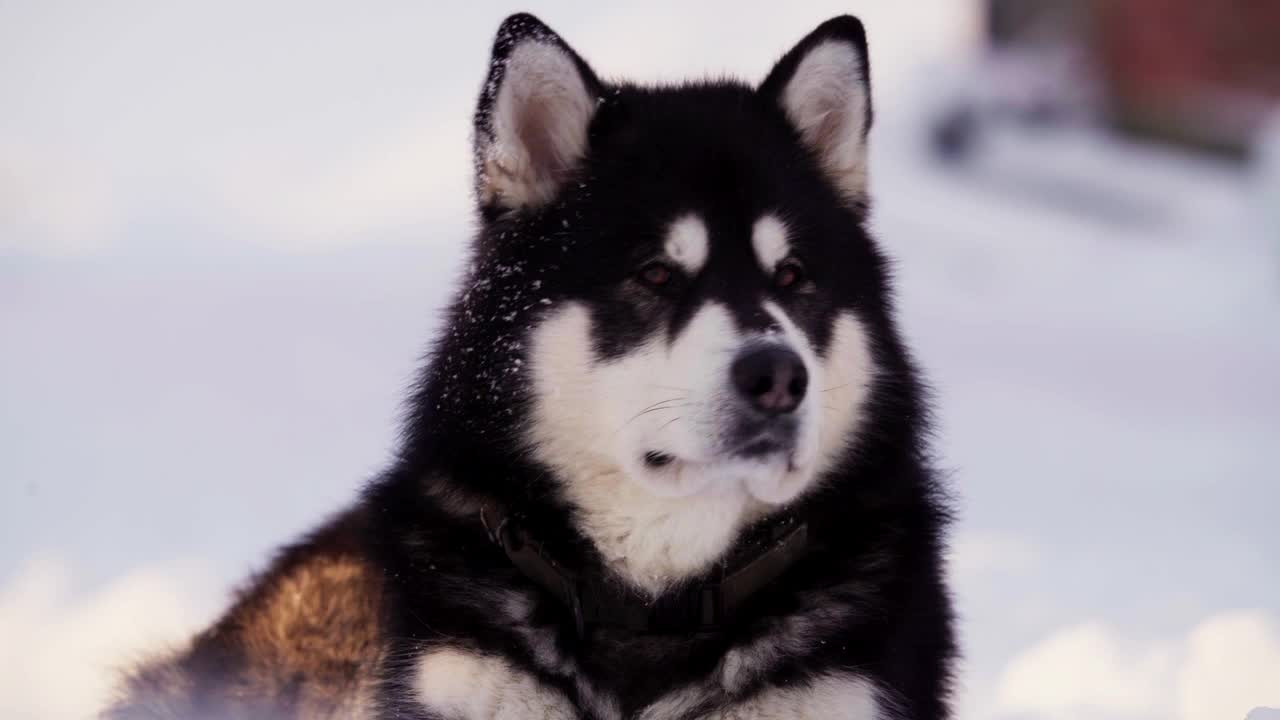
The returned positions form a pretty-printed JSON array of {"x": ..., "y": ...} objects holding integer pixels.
[
  {"x": 1101, "y": 323},
  {"x": 1108, "y": 386}
]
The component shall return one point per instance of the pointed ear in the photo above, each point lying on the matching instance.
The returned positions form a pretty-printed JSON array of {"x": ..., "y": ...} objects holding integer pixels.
[
  {"x": 531, "y": 122},
  {"x": 824, "y": 86}
]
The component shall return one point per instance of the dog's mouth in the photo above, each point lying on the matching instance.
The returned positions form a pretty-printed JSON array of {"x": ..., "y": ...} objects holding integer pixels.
[
  {"x": 765, "y": 468},
  {"x": 761, "y": 440},
  {"x": 764, "y": 447},
  {"x": 754, "y": 442},
  {"x": 765, "y": 457}
]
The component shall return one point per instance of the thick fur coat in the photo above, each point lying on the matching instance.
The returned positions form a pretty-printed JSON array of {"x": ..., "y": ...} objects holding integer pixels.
[{"x": 675, "y": 332}]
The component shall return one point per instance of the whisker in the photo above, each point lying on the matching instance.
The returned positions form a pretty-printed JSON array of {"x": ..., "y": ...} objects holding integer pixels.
[
  {"x": 654, "y": 406},
  {"x": 837, "y": 387},
  {"x": 665, "y": 424},
  {"x": 664, "y": 407}
]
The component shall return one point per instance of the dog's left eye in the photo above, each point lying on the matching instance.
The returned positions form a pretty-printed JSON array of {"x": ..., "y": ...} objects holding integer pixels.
[
  {"x": 789, "y": 274},
  {"x": 656, "y": 274}
]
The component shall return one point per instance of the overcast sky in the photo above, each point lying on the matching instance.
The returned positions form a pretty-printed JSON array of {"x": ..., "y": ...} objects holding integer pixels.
[{"x": 225, "y": 230}]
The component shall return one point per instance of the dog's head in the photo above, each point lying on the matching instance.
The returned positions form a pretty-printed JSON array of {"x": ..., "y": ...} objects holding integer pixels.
[{"x": 686, "y": 296}]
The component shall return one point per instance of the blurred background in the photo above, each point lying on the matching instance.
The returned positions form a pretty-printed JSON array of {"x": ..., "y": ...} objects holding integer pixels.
[{"x": 226, "y": 230}]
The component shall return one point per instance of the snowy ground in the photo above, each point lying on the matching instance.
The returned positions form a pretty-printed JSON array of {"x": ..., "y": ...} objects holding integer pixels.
[
  {"x": 1109, "y": 394},
  {"x": 1106, "y": 359}
]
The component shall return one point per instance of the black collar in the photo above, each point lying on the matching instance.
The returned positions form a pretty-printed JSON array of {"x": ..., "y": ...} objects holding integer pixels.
[{"x": 699, "y": 607}]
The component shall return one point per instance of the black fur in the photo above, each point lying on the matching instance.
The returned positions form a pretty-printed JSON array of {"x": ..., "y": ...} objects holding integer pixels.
[{"x": 729, "y": 152}]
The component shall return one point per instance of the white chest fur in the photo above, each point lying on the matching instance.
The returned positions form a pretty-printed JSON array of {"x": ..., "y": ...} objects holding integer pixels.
[
  {"x": 837, "y": 696},
  {"x": 468, "y": 686},
  {"x": 463, "y": 685}
]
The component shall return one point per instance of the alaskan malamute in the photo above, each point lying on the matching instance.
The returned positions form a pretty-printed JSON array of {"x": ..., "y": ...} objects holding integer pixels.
[{"x": 667, "y": 459}]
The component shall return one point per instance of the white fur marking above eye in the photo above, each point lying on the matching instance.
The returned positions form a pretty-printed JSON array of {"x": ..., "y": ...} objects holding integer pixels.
[
  {"x": 687, "y": 243},
  {"x": 826, "y": 100},
  {"x": 769, "y": 238},
  {"x": 468, "y": 686},
  {"x": 539, "y": 126}
]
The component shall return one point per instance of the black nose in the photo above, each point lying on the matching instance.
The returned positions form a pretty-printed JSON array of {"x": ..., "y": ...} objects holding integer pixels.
[{"x": 771, "y": 377}]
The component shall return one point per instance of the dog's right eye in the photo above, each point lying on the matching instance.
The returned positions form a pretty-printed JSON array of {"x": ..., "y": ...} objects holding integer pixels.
[{"x": 656, "y": 274}]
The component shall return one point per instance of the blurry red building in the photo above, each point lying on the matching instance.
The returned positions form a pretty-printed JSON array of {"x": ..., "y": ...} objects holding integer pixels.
[{"x": 1204, "y": 72}]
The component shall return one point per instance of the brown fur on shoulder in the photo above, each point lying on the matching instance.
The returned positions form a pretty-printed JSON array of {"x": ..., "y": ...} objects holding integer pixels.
[{"x": 302, "y": 641}]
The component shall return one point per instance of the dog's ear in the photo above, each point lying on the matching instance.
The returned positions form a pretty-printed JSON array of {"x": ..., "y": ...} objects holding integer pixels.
[
  {"x": 532, "y": 119},
  {"x": 824, "y": 86}
]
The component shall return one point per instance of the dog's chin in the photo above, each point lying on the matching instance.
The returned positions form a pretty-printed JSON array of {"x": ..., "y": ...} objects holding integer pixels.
[{"x": 773, "y": 477}]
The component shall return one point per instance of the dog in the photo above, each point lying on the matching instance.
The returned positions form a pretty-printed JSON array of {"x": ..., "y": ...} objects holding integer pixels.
[{"x": 668, "y": 457}]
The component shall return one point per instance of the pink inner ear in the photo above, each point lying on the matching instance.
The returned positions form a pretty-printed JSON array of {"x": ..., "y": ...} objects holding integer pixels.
[
  {"x": 830, "y": 111},
  {"x": 825, "y": 100},
  {"x": 540, "y": 124},
  {"x": 548, "y": 160}
]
